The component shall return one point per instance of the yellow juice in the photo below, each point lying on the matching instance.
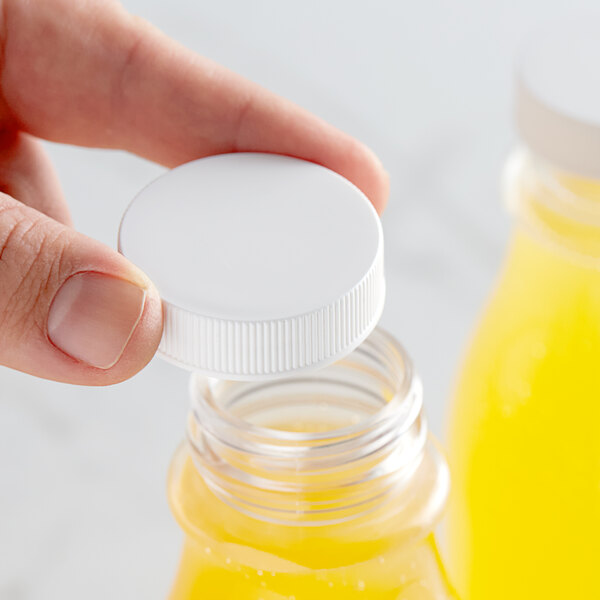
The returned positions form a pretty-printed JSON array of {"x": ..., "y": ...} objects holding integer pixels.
[{"x": 524, "y": 447}]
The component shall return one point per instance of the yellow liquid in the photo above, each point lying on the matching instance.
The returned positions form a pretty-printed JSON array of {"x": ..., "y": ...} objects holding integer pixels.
[
  {"x": 229, "y": 555},
  {"x": 524, "y": 451}
]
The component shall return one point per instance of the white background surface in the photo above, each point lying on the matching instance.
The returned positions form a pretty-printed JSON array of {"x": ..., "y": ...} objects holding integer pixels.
[{"x": 427, "y": 84}]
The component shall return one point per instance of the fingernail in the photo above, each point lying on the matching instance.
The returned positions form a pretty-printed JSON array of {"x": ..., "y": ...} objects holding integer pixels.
[{"x": 93, "y": 315}]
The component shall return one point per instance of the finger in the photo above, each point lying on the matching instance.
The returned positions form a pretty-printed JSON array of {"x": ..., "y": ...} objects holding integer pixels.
[
  {"x": 71, "y": 309},
  {"x": 26, "y": 174},
  {"x": 88, "y": 73}
]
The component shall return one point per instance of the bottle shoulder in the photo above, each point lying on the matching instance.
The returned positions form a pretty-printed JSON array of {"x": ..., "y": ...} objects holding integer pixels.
[
  {"x": 539, "y": 287},
  {"x": 403, "y": 520}
]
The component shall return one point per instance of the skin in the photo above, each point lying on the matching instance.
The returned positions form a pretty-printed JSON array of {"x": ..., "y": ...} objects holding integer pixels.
[{"x": 86, "y": 72}]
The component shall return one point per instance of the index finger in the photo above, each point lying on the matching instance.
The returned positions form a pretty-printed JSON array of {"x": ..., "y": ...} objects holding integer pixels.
[{"x": 88, "y": 73}]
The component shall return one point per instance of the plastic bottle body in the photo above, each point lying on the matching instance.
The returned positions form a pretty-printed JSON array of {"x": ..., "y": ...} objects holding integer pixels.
[
  {"x": 332, "y": 490},
  {"x": 524, "y": 449},
  {"x": 238, "y": 557}
]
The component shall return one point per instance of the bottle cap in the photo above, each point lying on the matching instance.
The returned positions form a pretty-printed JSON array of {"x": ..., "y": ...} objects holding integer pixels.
[
  {"x": 266, "y": 264},
  {"x": 558, "y": 95}
]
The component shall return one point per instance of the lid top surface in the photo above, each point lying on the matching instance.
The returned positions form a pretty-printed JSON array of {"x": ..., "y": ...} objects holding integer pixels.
[{"x": 251, "y": 236}]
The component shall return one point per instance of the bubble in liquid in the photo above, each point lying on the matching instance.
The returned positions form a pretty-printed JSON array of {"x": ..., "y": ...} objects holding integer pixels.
[
  {"x": 228, "y": 560},
  {"x": 330, "y": 584},
  {"x": 207, "y": 550},
  {"x": 381, "y": 560},
  {"x": 360, "y": 585},
  {"x": 259, "y": 573}
]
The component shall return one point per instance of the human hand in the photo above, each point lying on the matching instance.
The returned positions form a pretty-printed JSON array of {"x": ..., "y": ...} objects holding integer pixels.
[{"x": 86, "y": 72}]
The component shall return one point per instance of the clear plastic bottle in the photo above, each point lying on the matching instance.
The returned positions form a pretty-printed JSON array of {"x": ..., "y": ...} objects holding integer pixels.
[
  {"x": 308, "y": 471},
  {"x": 325, "y": 485},
  {"x": 524, "y": 447}
]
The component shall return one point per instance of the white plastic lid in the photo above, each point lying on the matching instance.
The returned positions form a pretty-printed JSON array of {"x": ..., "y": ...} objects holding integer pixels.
[
  {"x": 266, "y": 264},
  {"x": 558, "y": 95}
]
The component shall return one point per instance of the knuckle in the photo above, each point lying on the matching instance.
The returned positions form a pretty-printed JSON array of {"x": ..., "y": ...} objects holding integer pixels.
[{"x": 32, "y": 260}]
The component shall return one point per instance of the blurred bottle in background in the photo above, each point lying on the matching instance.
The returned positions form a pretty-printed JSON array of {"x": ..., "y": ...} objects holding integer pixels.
[{"x": 524, "y": 439}]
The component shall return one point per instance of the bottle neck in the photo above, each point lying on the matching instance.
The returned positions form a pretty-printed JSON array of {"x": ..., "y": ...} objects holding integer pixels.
[
  {"x": 318, "y": 448},
  {"x": 557, "y": 207}
]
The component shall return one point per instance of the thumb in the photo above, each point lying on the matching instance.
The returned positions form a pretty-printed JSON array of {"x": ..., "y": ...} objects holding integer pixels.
[{"x": 71, "y": 309}]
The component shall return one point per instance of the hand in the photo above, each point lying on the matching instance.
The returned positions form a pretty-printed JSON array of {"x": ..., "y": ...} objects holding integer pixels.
[{"x": 85, "y": 72}]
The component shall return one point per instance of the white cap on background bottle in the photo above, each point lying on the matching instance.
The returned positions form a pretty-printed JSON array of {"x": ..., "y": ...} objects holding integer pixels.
[{"x": 558, "y": 94}]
